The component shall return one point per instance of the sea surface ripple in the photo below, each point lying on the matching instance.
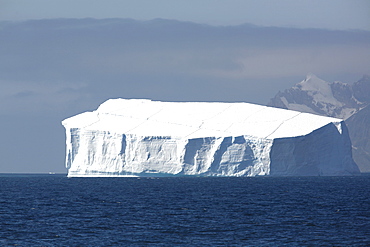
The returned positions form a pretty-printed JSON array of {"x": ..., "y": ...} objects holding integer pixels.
[{"x": 53, "y": 210}]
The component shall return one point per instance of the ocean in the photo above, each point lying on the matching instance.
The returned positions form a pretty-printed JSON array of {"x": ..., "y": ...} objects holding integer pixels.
[{"x": 53, "y": 210}]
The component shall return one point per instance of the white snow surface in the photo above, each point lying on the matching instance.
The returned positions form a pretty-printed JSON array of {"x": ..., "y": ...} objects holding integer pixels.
[
  {"x": 135, "y": 137},
  {"x": 197, "y": 119}
]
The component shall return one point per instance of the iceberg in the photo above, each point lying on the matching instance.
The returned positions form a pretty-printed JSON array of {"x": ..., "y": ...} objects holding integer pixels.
[{"x": 140, "y": 137}]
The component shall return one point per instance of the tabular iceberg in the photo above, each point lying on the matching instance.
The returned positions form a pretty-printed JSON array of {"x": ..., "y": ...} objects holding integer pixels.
[{"x": 132, "y": 137}]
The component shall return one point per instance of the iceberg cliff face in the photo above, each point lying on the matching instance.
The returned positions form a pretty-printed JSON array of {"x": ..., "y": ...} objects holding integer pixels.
[{"x": 152, "y": 138}]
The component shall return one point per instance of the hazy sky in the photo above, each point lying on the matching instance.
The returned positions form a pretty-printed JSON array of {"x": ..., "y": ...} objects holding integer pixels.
[
  {"x": 53, "y": 69},
  {"x": 332, "y": 14}
]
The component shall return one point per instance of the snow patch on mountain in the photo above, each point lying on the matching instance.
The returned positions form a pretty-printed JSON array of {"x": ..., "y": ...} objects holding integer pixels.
[{"x": 319, "y": 90}]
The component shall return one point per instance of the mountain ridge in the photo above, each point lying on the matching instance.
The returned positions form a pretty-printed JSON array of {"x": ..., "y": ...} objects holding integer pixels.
[{"x": 335, "y": 99}]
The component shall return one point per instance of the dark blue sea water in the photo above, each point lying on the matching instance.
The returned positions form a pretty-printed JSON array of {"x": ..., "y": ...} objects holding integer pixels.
[{"x": 53, "y": 210}]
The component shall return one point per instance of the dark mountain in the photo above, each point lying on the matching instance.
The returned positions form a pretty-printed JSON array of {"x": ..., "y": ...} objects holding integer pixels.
[
  {"x": 359, "y": 126},
  {"x": 361, "y": 89}
]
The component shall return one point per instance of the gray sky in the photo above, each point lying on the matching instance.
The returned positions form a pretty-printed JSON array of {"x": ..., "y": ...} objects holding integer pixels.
[{"x": 53, "y": 69}]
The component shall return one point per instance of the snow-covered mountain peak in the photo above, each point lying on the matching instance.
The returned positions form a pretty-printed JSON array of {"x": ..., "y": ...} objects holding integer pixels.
[
  {"x": 311, "y": 76},
  {"x": 313, "y": 83},
  {"x": 319, "y": 90}
]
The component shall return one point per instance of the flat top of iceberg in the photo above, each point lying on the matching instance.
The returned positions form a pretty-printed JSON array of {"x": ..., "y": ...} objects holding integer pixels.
[{"x": 197, "y": 119}]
